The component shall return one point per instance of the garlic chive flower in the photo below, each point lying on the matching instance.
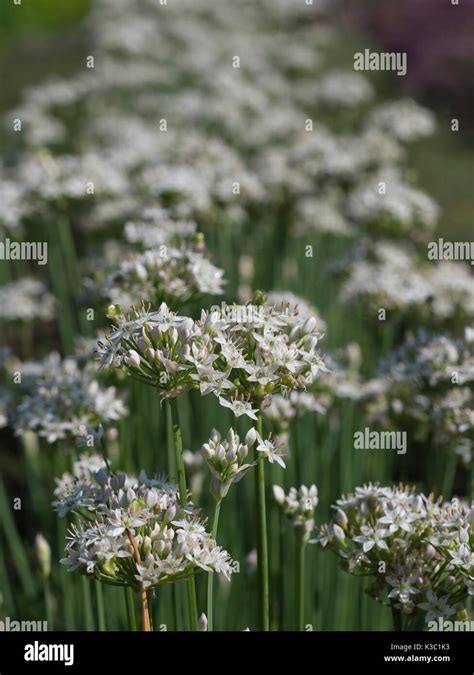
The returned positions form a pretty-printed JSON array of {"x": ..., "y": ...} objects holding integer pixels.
[
  {"x": 429, "y": 387},
  {"x": 271, "y": 450},
  {"x": 226, "y": 458},
  {"x": 25, "y": 300},
  {"x": 298, "y": 506},
  {"x": 417, "y": 549},
  {"x": 43, "y": 553},
  {"x": 172, "y": 274},
  {"x": 60, "y": 400},
  {"x": 242, "y": 354},
  {"x": 135, "y": 531}
]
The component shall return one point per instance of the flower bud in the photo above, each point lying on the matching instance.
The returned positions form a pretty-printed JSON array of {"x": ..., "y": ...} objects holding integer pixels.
[
  {"x": 251, "y": 437},
  {"x": 207, "y": 452},
  {"x": 150, "y": 354},
  {"x": 309, "y": 325},
  {"x": 295, "y": 333},
  {"x": 186, "y": 328},
  {"x": 132, "y": 359},
  {"x": 231, "y": 455},
  {"x": 170, "y": 514},
  {"x": 202, "y": 623},
  {"x": 113, "y": 311},
  {"x": 242, "y": 452},
  {"x": 279, "y": 494},
  {"x": 215, "y": 436},
  {"x": 232, "y": 438},
  {"x": 151, "y": 499},
  {"x": 311, "y": 342},
  {"x": 259, "y": 298},
  {"x": 147, "y": 545},
  {"x": 430, "y": 552},
  {"x": 43, "y": 551},
  {"x": 160, "y": 547},
  {"x": 173, "y": 335},
  {"x": 338, "y": 533},
  {"x": 341, "y": 518}
]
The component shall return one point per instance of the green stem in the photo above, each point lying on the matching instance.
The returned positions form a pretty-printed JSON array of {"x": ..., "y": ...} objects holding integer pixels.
[
  {"x": 183, "y": 494},
  {"x": 169, "y": 441},
  {"x": 262, "y": 544},
  {"x": 87, "y": 600},
  {"x": 300, "y": 582},
  {"x": 130, "y": 603},
  {"x": 99, "y": 598},
  {"x": 449, "y": 476},
  {"x": 471, "y": 500},
  {"x": 397, "y": 619},
  {"x": 171, "y": 475},
  {"x": 48, "y": 604},
  {"x": 296, "y": 450},
  {"x": 210, "y": 576}
]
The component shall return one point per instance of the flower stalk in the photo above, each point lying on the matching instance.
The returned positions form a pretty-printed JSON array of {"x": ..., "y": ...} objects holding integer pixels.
[
  {"x": 143, "y": 594},
  {"x": 173, "y": 416},
  {"x": 99, "y": 599},
  {"x": 262, "y": 543},
  {"x": 300, "y": 582},
  {"x": 210, "y": 576},
  {"x": 131, "y": 618}
]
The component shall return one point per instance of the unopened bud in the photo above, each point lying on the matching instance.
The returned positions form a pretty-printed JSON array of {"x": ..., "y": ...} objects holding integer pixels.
[
  {"x": 132, "y": 358},
  {"x": 338, "y": 533},
  {"x": 207, "y": 452},
  {"x": 251, "y": 437},
  {"x": 341, "y": 518},
  {"x": 170, "y": 513},
  {"x": 43, "y": 551},
  {"x": 113, "y": 311},
  {"x": 309, "y": 325},
  {"x": 279, "y": 494}
]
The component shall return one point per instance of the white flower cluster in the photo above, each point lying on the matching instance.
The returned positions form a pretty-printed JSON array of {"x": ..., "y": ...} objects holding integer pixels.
[
  {"x": 391, "y": 204},
  {"x": 417, "y": 549},
  {"x": 429, "y": 386},
  {"x": 298, "y": 505},
  {"x": 388, "y": 275},
  {"x": 340, "y": 88},
  {"x": 286, "y": 301},
  {"x": 60, "y": 400},
  {"x": 226, "y": 459},
  {"x": 25, "y": 300},
  {"x": 174, "y": 275},
  {"x": 405, "y": 119},
  {"x": 249, "y": 143},
  {"x": 134, "y": 531},
  {"x": 156, "y": 227},
  {"x": 343, "y": 382},
  {"x": 5, "y": 402},
  {"x": 242, "y": 353}
]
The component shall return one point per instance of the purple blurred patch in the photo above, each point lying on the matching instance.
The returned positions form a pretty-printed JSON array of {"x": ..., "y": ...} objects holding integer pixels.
[{"x": 437, "y": 36}]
